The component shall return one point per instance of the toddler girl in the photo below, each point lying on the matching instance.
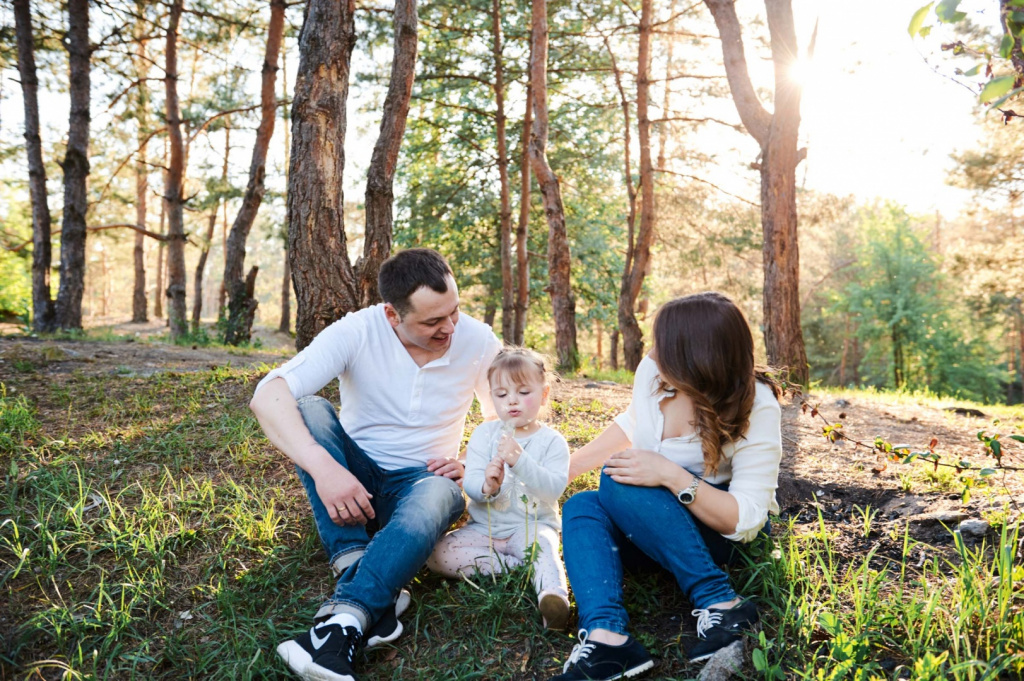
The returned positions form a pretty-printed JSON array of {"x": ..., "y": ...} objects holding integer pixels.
[{"x": 516, "y": 470}]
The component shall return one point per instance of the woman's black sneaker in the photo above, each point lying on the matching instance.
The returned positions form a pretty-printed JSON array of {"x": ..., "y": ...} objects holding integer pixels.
[
  {"x": 591, "y": 661},
  {"x": 325, "y": 653},
  {"x": 717, "y": 629}
]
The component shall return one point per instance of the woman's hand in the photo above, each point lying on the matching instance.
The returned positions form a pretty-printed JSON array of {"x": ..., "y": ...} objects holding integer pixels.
[
  {"x": 641, "y": 467},
  {"x": 509, "y": 449},
  {"x": 494, "y": 475}
]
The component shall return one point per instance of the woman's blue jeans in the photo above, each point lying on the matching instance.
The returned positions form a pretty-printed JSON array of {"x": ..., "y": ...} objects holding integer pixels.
[
  {"x": 413, "y": 509},
  {"x": 625, "y": 525}
]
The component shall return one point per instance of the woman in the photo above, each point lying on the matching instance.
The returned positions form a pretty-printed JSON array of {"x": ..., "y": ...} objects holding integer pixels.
[{"x": 690, "y": 470}]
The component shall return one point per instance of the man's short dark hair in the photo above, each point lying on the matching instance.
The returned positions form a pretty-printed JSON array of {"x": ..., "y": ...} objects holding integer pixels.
[{"x": 406, "y": 271}]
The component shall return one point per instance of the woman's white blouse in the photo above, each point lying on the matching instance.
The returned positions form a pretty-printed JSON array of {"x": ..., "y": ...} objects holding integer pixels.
[{"x": 750, "y": 465}]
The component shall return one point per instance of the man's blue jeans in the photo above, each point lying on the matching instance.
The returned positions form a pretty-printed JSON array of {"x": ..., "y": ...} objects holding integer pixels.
[
  {"x": 625, "y": 525},
  {"x": 413, "y": 509}
]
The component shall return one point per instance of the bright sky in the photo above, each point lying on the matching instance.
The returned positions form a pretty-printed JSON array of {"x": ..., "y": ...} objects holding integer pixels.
[{"x": 877, "y": 119}]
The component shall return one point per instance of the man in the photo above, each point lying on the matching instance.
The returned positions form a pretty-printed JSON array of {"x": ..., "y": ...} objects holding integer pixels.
[{"x": 384, "y": 467}]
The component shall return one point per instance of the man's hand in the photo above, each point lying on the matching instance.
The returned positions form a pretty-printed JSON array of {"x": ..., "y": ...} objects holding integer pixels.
[
  {"x": 453, "y": 469},
  {"x": 346, "y": 499},
  {"x": 640, "y": 467},
  {"x": 494, "y": 475},
  {"x": 509, "y": 449}
]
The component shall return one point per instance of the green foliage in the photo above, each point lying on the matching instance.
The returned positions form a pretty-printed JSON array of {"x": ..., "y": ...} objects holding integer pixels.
[
  {"x": 912, "y": 331},
  {"x": 15, "y": 266}
]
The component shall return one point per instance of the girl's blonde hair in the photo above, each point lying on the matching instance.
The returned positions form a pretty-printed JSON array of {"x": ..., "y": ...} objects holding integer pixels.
[{"x": 521, "y": 365}]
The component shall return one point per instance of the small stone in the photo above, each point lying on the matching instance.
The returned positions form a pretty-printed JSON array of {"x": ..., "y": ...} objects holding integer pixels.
[
  {"x": 974, "y": 526},
  {"x": 724, "y": 663},
  {"x": 591, "y": 385}
]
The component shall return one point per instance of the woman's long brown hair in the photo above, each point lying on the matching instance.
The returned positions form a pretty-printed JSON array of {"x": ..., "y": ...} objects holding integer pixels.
[{"x": 703, "y": 348}]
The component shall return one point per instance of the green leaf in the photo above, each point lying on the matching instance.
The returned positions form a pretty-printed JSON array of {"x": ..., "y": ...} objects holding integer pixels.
[
  {"x": 970, "y": 73},
  {"x": 946, "y": 11},
  {"x": 760, "y": 661},
  {"x": 996, "y": 88},
  {"x": 1017, "y": 17},
  {"x": 964, "y": 463},
  {"x": 910, "y": 458},
  {"x": 985, "y": 472},
  {"x": 1005, "y": 46},
  {"x": 918, "y": 19},
  {"x": 1018, "y": 438},
  {"x": 999, "y": 102},
  {"x": 1016, "y": 3},
  {"x": 997, "y": 449}
]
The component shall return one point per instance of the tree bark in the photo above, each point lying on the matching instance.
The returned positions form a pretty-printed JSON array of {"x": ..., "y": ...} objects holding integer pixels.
[
  {"x": 241, "y": 305},
  {"x": 776, "y": 133},
  {"x": 139, "y": 302},
  {"x": 505, "y": 210},
  {"x": 559, "y": 265},
  {"x": 286, "y": 282},
  {"x": 176, "y": 307},
  {"x": 76, "y": 171},
  {"x": 379, "y": 198},
  {"x": 522, "y": 228},
  {"x": 325, "y": 284},
  {"x": 158, "y": 296},
  {"x": 197, "y": 286},
  {"x": 42, "y": 304}
]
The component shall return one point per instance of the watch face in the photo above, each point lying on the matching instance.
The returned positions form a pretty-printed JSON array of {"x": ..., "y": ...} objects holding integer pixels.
[{"x": 685, "y": 497}]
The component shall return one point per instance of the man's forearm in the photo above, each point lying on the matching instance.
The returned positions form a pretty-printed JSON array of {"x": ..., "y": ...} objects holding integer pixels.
[{"x": 279, "y": 416}]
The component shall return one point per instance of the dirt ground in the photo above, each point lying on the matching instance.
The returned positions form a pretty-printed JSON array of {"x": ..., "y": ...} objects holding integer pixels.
[{"x": 837, "y": 479}]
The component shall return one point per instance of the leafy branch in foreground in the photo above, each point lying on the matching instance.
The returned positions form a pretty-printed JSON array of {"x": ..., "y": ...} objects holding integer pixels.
[{"x": 887, "y": 452}]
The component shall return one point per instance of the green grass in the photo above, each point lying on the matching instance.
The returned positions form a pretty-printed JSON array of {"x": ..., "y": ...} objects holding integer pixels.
[{"x": 149, "y": 530}]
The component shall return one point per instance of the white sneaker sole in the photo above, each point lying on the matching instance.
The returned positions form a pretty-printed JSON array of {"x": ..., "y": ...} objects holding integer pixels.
[
  {"x": 299, "y": 661},
  {"x": 401, "y": 605},
  {"x": 635, "y": 671}
]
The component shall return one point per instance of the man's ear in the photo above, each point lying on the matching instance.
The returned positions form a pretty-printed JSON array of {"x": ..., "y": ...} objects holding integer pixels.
[{"x": 392, "y": 314}]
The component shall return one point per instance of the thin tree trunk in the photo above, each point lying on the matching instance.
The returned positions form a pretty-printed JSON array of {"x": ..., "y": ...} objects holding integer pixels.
[
  {"x": 176, "y": 308},
  {"x": 379, "y": 198},
  {"x": 522, "y": 229},
  {"x": 286, "y": 282},
  {"x": 505, "y": 211},
  {"x": 158, "y": 297},
  {"x": 139, "y": 302},
  {"x": 615, "y": 349},
  {"x": 559, "y": 264},
  {"x": 325, "y": 284},
  {"x": 241, "y": 306},
  {"x": 42, "y": 304},
  {"x": 76, "y": 171},
  {"x": 197, "y": 287},
  {"x": 777, "y": 135}
]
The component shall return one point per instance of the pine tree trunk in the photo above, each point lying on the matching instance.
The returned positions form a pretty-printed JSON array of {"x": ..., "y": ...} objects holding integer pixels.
[
  {"x": 286, "y": 281},
  {"x": 139, "y": 302},
  {"x": 42, "y": 304},
  {"x": 379, "y": 198},
  {"x": 559, "y": 265},
  {"x": 505, "y": 211},
  {"x": 176, "y": 307},
  {"x": 784, "y": 339},
  {"x": 158, "y": 296},
  {"x": 325, "y": 284},
  {"x": 522, "y": 228},
  {"x": 242, "y": 306},
  {"x": 76, "y": 171},
  {"x": 776, "y": 133}
]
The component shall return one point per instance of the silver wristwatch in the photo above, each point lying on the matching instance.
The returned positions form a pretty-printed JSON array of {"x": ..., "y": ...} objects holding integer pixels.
[{"x": 686, "y": 496}]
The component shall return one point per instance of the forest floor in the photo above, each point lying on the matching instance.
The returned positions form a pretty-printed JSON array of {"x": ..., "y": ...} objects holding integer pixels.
[{"x": 148, "y": 529}]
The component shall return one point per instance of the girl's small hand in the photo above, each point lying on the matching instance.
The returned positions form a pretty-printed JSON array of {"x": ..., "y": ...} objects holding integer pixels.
[
  {"x": 494, "y": 475},
  {"x": 640, "y": 467},
  {"x": 509, "y": 449}
]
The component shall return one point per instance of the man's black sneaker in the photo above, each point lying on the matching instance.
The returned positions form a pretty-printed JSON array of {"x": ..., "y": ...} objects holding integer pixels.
[
  {"x": 718, "y": 628},
  {"x": 388, "y": 627},
  {"x": 324, "y": 653},
  {"x": 591, "y": 661}
]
